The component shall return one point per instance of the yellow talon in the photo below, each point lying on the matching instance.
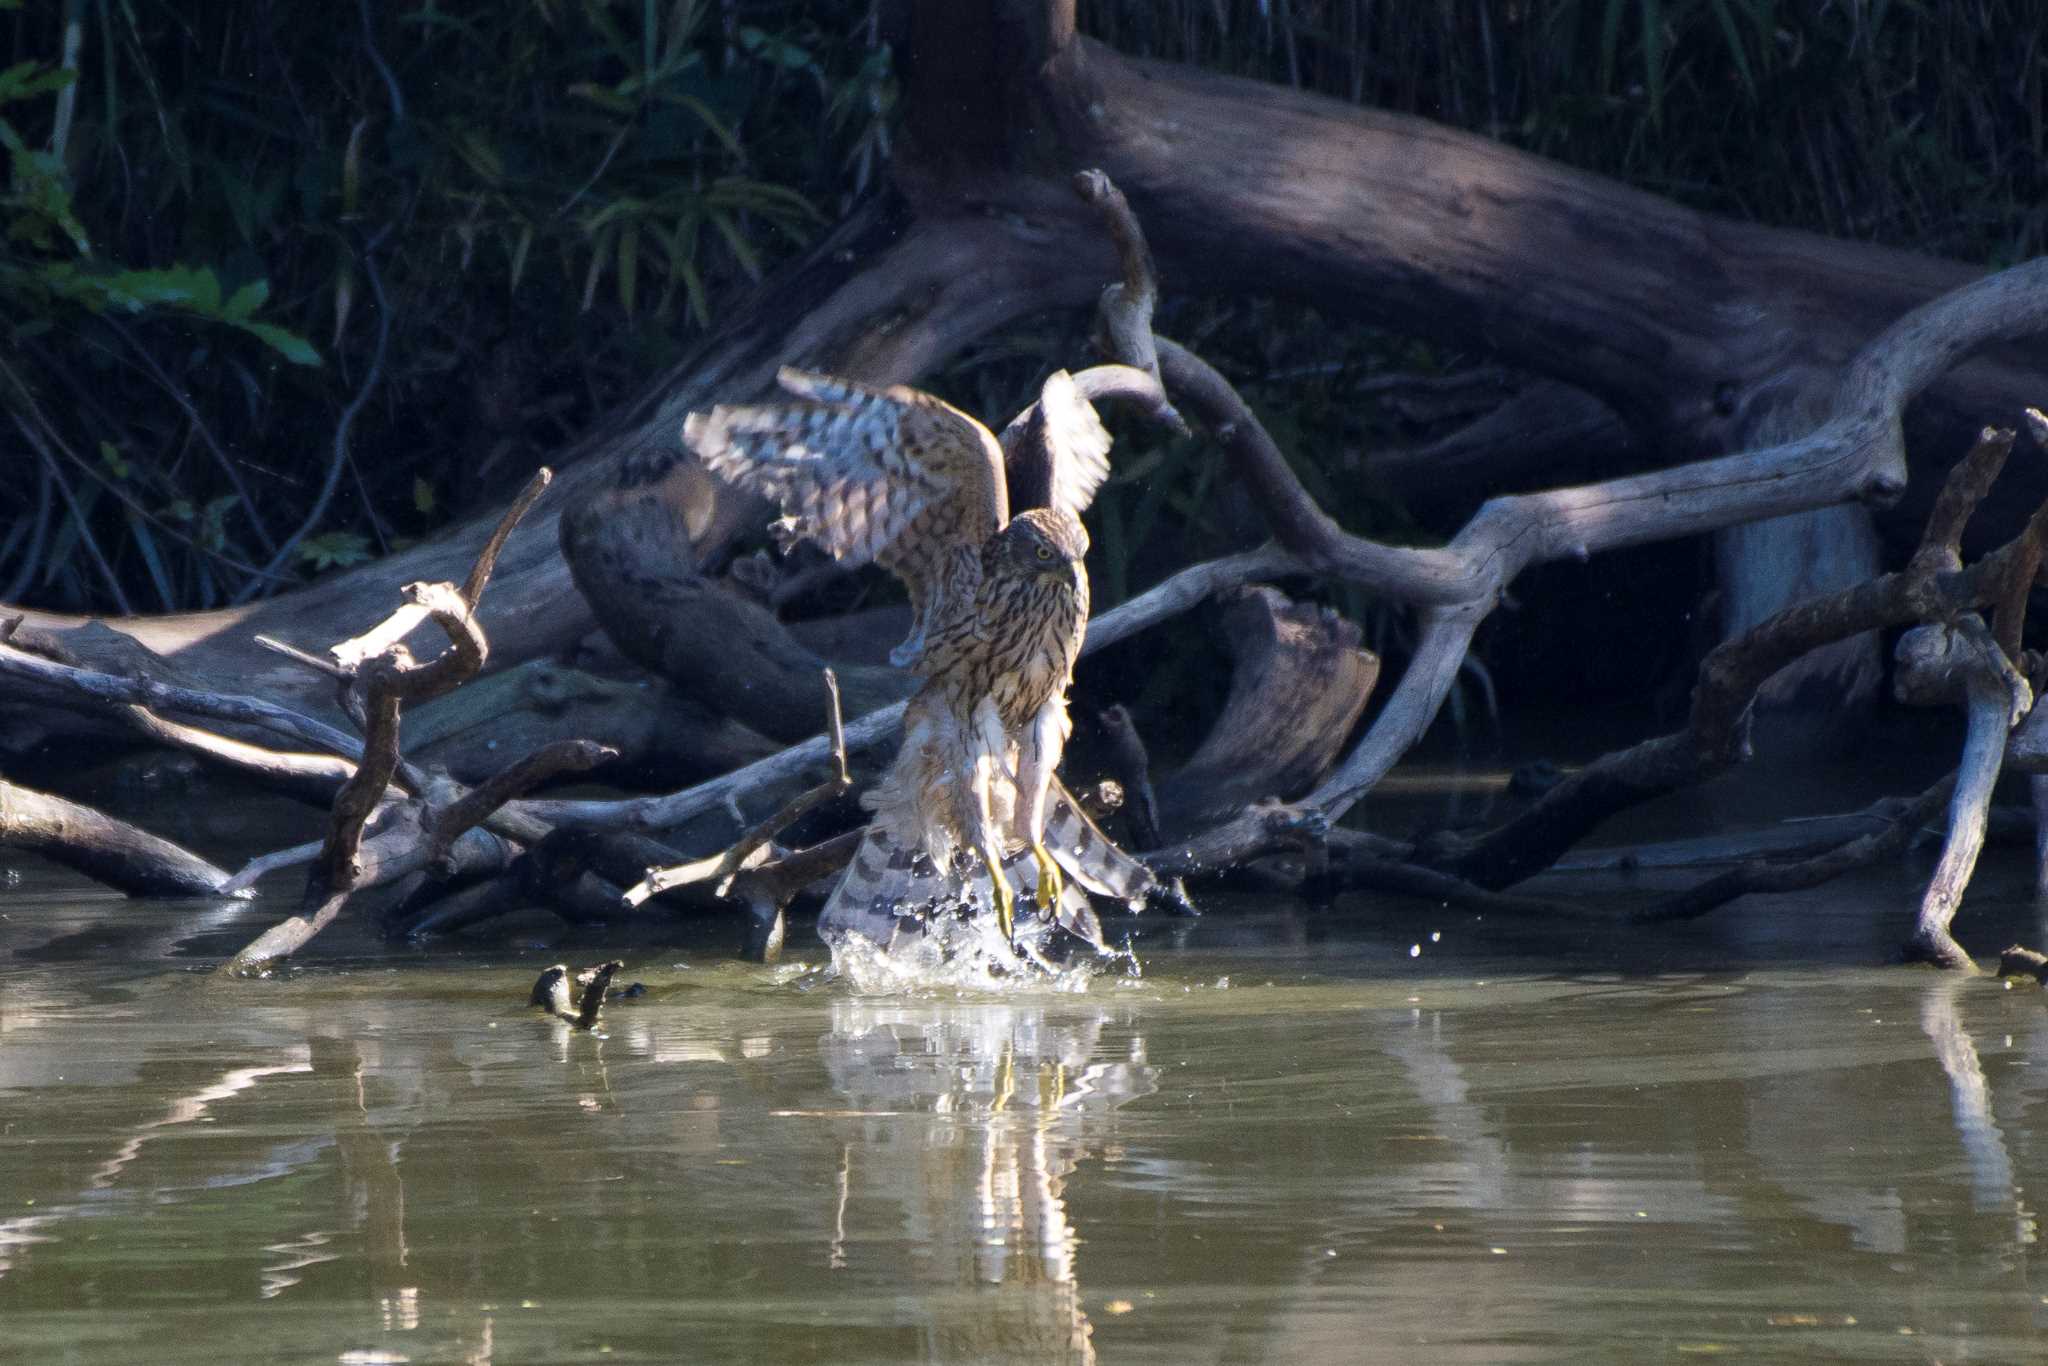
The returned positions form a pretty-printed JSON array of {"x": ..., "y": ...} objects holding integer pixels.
[
  {"x": 1006, "y": 900},
  {"x": 1050, "y": 884}
]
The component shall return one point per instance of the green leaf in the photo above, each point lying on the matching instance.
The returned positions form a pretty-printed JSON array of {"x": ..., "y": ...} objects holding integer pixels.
[
  {"x": 519, "y": 255},
  {"x": 110, "y": 456},
  {"x": 742, "y": 250},
  {"x": 153, "y": 561},
  {"x": 1653, "y": 58},
  {"x": 775, "y": 51},
  {"x": 26, "y": 80},
  {"x": 334, "y": 550},
  {"x": 1733, "y": 36},
  {"x": 213, "y": 523},
  {"x": 290, "y": 345},
  {"x": 1610, "y": 42},
  {"x": 422, "y": 495},
  {"x": 246, "y": 300},
  {"x": 192, "y": 287}
]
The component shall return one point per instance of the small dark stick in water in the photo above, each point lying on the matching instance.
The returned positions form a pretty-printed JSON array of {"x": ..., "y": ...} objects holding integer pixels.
[{"x": 551, "y": 993}]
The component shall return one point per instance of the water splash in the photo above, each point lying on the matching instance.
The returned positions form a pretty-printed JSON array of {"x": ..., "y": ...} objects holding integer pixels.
[{"x": 963, "y": 954}]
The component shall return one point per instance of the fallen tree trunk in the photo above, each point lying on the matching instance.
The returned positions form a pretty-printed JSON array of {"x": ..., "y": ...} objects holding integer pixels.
[
  {"x": 1688, "y": 325},
  {"x": 105, "y": 849}
]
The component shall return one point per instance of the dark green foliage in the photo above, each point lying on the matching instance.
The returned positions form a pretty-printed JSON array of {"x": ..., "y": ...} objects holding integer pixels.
[
  {"x": 452, "y": 234},
  {"x": 456, "y": 234},
  {"x": 1920, "y": 125},
  {"x": 1924, "y": 125}
]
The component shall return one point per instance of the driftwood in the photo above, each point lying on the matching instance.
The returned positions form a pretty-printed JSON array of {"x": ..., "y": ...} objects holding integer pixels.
[
  {"x": 764, "y": 878},
  {"x": 658, "y": 733},
  {"x": 1856, "y": 453},
  {"x": 381, "y": 679},
  {"x": 1686, "y": 325},
  {"x": 2020, "y": 961},
  {"x": 1957, "y": 659},
  {"x": 1544, "y": 434},
  {"x": 551, "y": 993},
  {"x": 1693, "y": 335},
  {"x": 1938, "y": 662},
  {"x": 1300, "y": 683},
  {"x": 107, "y": 850}
]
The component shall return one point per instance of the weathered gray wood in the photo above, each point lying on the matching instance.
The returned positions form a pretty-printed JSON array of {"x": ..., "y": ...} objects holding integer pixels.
[
  {"x": 1300, "y": 681},
  {"x": 1938, "y": 663},
  {"x": 109, "y": 851}
]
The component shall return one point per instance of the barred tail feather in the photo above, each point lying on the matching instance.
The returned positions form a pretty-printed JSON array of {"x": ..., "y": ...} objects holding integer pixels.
[
  {"x": 884, "y": 892},
  {"x": 1088, "y": 855}
]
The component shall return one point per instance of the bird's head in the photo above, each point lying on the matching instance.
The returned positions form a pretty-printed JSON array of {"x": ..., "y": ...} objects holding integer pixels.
[{"x": 1046, "y": 541}]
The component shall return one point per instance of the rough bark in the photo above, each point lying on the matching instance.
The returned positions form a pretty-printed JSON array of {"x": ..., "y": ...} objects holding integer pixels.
[{"x": 1300, "y": 683}]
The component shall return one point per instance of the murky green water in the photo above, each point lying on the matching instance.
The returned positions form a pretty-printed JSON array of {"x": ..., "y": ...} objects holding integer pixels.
[{"x": 1296, "y": 1138}]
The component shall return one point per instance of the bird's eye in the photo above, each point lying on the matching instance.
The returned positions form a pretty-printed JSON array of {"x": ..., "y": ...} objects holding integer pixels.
[{"x": 1045, "y": 552}]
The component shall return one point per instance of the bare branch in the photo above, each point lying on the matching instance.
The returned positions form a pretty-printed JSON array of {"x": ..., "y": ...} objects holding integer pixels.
[
  {"x": 110, "y": 851},
  {"x": 74, "y": 686},
  {"x": 353, "y": 653},
  {"x": 750, "y": 850},
  {"x": 1791, "y": 875},
  {"x": 473, "y": 807},
  {"x": 1935, "y": 661},
  {"x": 487, "y": 558}
]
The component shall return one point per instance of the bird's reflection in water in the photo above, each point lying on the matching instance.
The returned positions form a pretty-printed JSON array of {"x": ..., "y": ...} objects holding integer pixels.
[{"x": 963, "y": 1123}]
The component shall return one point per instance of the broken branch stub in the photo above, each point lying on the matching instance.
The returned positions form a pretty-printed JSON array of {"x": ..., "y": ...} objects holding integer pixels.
[{"x": 381, "y": 683}]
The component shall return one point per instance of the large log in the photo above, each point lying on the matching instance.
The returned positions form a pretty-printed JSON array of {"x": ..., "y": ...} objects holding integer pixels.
[{"x": 1689, "y": 325}]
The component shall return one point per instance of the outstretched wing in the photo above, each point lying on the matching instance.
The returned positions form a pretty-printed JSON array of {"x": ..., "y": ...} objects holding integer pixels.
[
  {"x": 1057, "y": 450},
  {"x": 889, "y": 475}
]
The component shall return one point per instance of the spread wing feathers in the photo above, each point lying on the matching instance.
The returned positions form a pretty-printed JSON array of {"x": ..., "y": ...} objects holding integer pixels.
[
  {"x": 1057, "y": 449},
  {"x": 855, "y": 468},
  {"x": 1089, "y": 856}
]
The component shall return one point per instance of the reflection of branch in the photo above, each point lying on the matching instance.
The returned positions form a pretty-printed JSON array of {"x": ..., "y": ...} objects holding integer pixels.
[
  {"x": 188, "y": 1108},
  {"x": 1991, "y": 1173}
]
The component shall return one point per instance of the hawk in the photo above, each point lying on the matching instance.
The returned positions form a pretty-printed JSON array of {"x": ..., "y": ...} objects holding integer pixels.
[{"x": 998, "y": 609}]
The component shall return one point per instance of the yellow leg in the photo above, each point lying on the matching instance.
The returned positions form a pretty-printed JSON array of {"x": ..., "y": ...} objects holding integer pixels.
[
  {"x": 1050, "y": 883},
  {"x": 1006, "y": 900}
]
